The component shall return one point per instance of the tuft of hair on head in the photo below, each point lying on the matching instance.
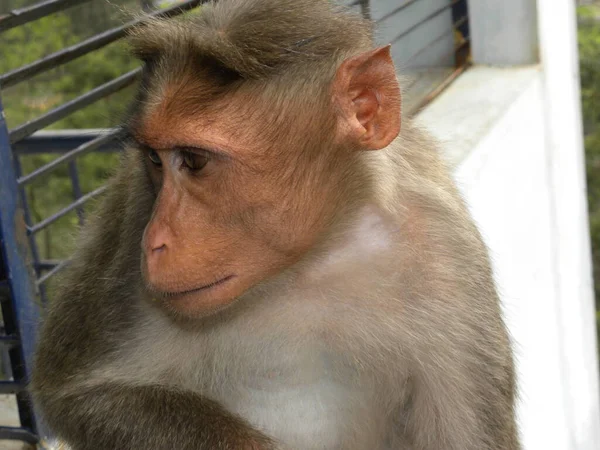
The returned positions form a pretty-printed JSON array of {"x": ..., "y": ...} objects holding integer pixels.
[{"x": 235, "y": 40}]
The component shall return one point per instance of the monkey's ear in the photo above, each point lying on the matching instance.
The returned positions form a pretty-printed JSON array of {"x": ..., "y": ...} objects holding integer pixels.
[{"x": 367, "y": 94}]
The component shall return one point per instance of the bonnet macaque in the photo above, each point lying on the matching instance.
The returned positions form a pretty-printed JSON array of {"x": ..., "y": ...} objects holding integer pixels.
[{"x": 280, "y": 262}]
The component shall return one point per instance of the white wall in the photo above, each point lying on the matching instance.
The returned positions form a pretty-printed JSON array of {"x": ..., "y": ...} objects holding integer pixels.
[
  {"x": 506, "y": 182},
  {"x": 566, "y": 169},
  {"x": 520, "y": 165},
  {"x": 504, "y": 32}
]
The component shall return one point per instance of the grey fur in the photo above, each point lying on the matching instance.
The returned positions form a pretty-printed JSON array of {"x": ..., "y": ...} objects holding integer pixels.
[{"x": 388, "y": 335}]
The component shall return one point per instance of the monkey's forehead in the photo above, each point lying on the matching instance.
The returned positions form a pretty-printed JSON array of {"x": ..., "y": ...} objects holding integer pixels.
[
  {"x": 156, "y": 133},
  {"x": 252, "y": 39},
  {"x": 173, "y": 119}
]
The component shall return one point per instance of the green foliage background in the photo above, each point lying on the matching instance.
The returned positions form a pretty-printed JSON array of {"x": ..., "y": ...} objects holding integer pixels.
[
  {"x": 28, "y": 100},
  {"x": 589, "y": 56}
]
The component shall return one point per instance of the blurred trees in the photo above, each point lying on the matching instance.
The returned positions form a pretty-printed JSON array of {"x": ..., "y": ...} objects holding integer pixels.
[
  {"x": 28, "y": 100},
  {"x": 589, "y": 56}
]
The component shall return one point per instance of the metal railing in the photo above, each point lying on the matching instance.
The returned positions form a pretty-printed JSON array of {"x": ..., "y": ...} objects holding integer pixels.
[{"x": 24, "y": 271}]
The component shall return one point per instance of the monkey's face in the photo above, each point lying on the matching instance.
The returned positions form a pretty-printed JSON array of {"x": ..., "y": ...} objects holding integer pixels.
[
  {"x": 247, "y": 186},
  {"x": 231, "y": 210}
]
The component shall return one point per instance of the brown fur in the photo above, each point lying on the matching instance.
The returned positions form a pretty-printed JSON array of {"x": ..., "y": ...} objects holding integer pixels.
[{"x": 363, "y": 314}]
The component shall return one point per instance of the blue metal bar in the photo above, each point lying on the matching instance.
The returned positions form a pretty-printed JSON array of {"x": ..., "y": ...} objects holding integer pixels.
[
  {"x": 27, "y": 14},
  {"x": 28, "y": 219},
  {"x": 61, "y": 141},
  {"x": 9, "y": 341},
  {"x": 74, "y": 175},
  {"x": 60, "y": 266},
  {"x": 70, "y": 156},
  {"x": 46, "y": 264},
  {"x": 11, "y": 387},
  {"x": 18, "y": 434},
  {"x": 5, "y": 363},
  {"x": 54, "y": 217},
  {"x": 21, "y": 314},
  {"x": 60, "y": 112},
  {"x": 75, "y": 51}
]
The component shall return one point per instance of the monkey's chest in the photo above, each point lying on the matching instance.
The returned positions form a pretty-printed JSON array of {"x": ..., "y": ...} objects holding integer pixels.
[
  {"x": 303, "y": 407},
  {"x": 309, "y": 415}
]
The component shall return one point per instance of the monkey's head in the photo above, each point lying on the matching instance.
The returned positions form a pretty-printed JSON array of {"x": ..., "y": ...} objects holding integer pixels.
[{"x": 252, "y": 133}]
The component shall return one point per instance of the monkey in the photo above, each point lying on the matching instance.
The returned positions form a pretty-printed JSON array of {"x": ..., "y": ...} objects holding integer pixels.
[{"x": 281, "y": 261}]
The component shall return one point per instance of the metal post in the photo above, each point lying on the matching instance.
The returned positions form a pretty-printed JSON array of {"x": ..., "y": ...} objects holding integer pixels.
[
  {"x": 21, "y": 312},
  {"x": 365, "y": 8},
  {"x": 74, "y": 175}
]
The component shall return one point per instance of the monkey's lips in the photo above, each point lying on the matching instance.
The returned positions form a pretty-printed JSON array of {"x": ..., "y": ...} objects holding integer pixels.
[{"x": 180, "y": 295}]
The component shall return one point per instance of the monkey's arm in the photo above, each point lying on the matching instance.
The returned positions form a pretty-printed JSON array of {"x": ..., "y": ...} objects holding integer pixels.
[
  {"x": 461, "y": 388},
  {"x": 461, "y": 411},
  {"x": 84, "y": 408},
  {"x": 463, "y": 376},
  {"x": 110, "y": 417}
]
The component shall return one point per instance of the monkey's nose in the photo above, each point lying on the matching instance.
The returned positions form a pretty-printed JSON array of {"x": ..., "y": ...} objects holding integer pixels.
[
  {"x": 156, "y": 259},
  {"x": 159, "y": 248},
  {"x": 156, "y": 241}
]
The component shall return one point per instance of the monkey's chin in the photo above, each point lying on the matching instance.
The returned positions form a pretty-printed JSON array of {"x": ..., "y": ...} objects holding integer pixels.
[{"x": 203, "y": 301}]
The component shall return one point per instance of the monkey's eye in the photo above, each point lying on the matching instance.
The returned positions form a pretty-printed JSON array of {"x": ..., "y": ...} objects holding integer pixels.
[
  {"x": 194, "y": 161},
  {"x": 154, "y": 158}
]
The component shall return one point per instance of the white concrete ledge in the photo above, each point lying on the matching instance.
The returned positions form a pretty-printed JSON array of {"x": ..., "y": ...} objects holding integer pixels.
[
  {"x": 495, "y": 125},
  {"x": 465, "y": 112}
]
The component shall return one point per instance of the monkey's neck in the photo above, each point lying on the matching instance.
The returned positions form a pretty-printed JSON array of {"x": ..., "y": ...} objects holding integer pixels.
[{"x": 368, "y": 232}]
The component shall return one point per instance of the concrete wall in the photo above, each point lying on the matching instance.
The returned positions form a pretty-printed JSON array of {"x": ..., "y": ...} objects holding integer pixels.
[
  {"x": 507, "y": 184},
  {"x": 430, "y": 44},
  {"x": 504, "y": 33},
  {"x": 515, "y": 141},
  {"x": 502, "y": 154}
]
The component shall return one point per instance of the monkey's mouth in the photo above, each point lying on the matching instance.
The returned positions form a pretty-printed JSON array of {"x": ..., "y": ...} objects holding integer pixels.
[{"x": 173, "y": 295}]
